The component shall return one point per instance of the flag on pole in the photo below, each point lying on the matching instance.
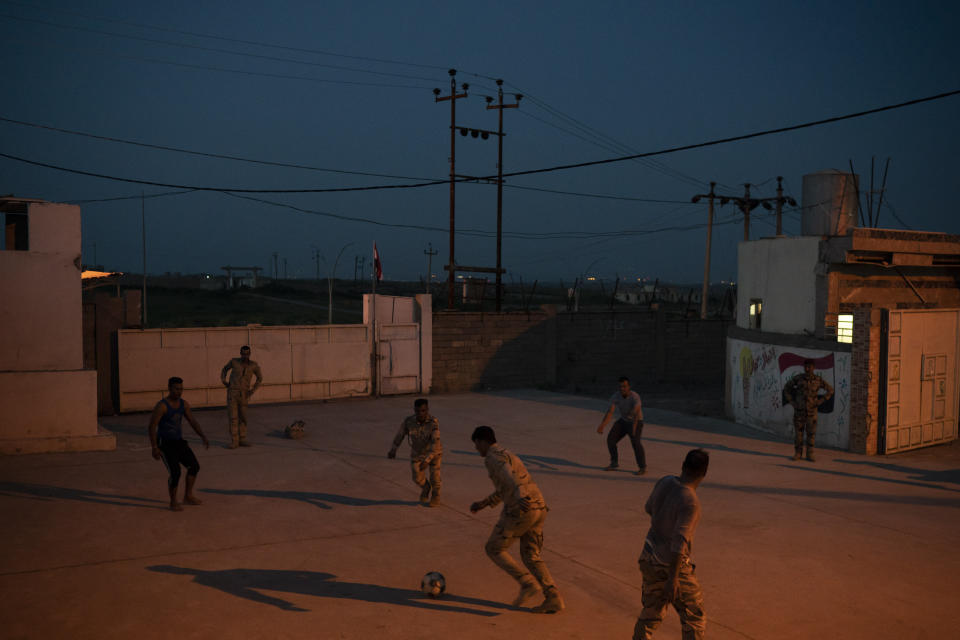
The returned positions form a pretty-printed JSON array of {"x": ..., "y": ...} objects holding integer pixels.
[{"x": 377, "y": 267}]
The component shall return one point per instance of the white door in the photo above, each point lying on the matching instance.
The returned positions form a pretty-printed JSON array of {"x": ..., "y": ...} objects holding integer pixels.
[{"x": 398, "y": 347}]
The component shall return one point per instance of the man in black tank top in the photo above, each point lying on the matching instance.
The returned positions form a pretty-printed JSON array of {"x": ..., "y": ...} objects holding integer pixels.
[{"x": 166, "y": 440}]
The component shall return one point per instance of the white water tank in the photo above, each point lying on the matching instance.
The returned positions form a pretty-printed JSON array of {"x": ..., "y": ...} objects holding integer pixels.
[{"x": 829, "y": 203}]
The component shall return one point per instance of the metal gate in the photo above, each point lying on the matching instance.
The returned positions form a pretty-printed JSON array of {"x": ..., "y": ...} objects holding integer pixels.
[
  {"x": 922, "y": 386},
  {"x": 398, "y": 347}
]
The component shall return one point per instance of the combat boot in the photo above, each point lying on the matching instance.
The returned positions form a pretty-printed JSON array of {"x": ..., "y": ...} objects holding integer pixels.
[
  {"x": 552, "y": 603},
  {"x": 528, "y": 589},
  {"x": 435, "y": 500},
  {"x": 798, "y": 453},
  {"x": 425, "y": 493},
  {"x": 810, "y": 455}
]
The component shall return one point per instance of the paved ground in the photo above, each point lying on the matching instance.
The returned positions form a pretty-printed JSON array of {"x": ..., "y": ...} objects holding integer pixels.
[{"x": 322, "y": 537}]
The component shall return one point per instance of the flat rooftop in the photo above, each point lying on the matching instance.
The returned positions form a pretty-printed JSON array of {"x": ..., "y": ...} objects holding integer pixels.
[{"x": 322, "y": 537}]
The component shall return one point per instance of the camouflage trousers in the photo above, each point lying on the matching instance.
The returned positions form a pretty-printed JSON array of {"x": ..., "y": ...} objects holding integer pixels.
[
  {"x": 528, "y": 527},
  {"x": 804, "y": 422},
  {"x": 237, "y": 413},
  {"x": 420, "y": 475},
  {"x": 688, "y": 603}
]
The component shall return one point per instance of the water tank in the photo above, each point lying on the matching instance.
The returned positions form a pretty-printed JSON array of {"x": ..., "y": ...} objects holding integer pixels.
[{"x": 829, "y": 203}]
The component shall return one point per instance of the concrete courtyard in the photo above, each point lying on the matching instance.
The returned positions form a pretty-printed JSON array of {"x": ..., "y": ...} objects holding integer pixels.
[{"x": 323, "y": 537}]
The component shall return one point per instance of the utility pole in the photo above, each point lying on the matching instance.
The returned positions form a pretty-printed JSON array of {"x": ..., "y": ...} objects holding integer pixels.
[
  {"x": 453, "y": 97},
  {"x": 706, "y": 261},
  {"x": 276, "y": 272},
  {"x": 316, "y": 258},
  {"x": 284, "y": 268},
  {"x": 500, "y": 107},
  {"x": 780, "y": 200},
  {"x": 746, "y": 206},
  {"x": 430, "y": 252},
  {"x": 143, "y": 223}
]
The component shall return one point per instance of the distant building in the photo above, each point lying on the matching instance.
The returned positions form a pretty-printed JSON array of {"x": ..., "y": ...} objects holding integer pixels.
[
  {"x": 877, "y": 309},
  {"x": 49, "y": 400}
]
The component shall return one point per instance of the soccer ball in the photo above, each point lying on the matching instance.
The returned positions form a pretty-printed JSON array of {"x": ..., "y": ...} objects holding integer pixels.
[{"x": 433, "y": 584}]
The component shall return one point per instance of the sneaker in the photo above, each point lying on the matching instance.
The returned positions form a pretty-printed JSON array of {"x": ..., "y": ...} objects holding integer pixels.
[
  {"x": 245, "y": 443},
  {"x": 611, "y": 467},
  {"x": 553, "y": 603},
  {"x": 527, "y": 591},
  {"x": 640, "y": 472},
  {"x": 810, "y": 456}
]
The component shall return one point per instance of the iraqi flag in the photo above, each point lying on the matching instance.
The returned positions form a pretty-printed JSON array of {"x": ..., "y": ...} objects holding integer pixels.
[{"x": 377, "y": 267}]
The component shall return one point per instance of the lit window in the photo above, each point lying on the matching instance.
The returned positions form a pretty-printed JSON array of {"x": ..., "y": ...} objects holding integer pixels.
[
  {"x": 845, "y": 327},
  {"x": 756, "y": 310}
]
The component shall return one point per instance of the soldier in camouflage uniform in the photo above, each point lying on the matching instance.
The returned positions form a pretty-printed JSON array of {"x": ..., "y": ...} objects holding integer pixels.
[
  {"x": 423, "y": 431},
  {"x": 523, "y": 515},
  {"x": 241, "y": 370},
  {"x": 803, "y": 392}
]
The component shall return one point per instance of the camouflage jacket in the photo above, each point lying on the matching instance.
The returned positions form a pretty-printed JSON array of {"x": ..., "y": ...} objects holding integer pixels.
[
  {"x": 511, "y": 482},
  {"x": 424, "y": 438},
  {"x": 803, "y": 392}
]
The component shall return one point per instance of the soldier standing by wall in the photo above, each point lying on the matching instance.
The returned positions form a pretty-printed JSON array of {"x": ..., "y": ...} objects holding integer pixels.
[
  {"x": 523, "y": 515},
  {"x": 423, "y": 430},
  {"x": 803, "y": 392},
  {"x": 241, "y": 370}
]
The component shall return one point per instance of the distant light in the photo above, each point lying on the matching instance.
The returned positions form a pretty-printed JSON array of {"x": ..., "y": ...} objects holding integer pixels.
[{"x": 591, "y": 278}]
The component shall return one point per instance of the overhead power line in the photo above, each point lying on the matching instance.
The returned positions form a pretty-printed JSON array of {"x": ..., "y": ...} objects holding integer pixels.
[
  {"x": 197, "y": 47},
  {"x": 562, "y": 167},
  {"x": 256, "y": 43}
]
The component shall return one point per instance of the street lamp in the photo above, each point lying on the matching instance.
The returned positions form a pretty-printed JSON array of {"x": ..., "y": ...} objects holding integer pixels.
[{"x": 330, "y": 276}]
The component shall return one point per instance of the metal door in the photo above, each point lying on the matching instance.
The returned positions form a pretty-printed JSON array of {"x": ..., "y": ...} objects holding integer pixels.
[
  {"x": 921, "y": 383},
  {"x": 398, "y": 347}
]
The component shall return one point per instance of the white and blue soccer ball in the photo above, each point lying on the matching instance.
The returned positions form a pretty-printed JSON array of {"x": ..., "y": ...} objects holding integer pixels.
[{"x": 433, "y": 584}]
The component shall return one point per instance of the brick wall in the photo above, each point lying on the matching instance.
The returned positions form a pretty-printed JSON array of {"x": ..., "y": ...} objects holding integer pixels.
[
  {"x": 581, "y": 351},
  {"x": 864, "y": 377},
  {"x": 473, "y": 351}
]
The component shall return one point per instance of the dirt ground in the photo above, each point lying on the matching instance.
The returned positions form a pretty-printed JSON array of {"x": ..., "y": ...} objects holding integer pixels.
[{"x": 323, "y": 537}]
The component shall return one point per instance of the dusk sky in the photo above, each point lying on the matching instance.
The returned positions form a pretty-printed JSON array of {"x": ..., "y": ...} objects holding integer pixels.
[{"x": 348, "y": 86}]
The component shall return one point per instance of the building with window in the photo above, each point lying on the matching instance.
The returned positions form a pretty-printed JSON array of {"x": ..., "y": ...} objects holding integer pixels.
[
  {"x": 878, "y": 310},
  {"x": 49, "y": 400}
]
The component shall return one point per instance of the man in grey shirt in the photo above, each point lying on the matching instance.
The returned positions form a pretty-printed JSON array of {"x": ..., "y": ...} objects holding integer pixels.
[
  {"x": 630, "y": 423},
  {"x": 668, "y": 574}
]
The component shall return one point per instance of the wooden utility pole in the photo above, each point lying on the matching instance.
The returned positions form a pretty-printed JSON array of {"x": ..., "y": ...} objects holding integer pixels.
[
  {"x": 706, "y": 260},
  {"x": 500, "y": 107},
  {"x": 453, "y": 97},
  {"x": 430, "y": 252},
  {"x": 780, "y": 200}
]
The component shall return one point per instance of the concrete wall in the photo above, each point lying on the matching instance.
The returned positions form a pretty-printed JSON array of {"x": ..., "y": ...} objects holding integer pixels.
[
  {"x": 298, "y": 363},
  {"x": 49, "y": 401},
  {"x": 40, "y": 290},
  {"x": 781, "y": 272},
  {"x": 865, "y": 381},
  {"x": 583, "y": 352},
  {"x": 757, "y": 371}
]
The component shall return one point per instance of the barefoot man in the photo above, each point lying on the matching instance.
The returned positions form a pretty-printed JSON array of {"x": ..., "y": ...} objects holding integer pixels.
[{"x": 166, "y": 439}]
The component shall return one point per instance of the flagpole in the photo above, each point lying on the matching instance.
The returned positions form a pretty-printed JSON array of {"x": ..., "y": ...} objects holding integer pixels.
[{"x": 375, "y": 367}]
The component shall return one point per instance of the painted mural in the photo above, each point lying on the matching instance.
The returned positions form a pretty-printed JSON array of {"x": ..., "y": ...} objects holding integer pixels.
[{"x": 758, "y": 373}]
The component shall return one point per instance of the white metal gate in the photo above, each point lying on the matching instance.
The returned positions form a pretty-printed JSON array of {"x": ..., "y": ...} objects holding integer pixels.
[
  {"x": 922, "y": 386},
  {"x": 398, "y": 346}
]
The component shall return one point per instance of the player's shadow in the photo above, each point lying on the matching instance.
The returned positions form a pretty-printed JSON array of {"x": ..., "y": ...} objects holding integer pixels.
[
  {"x": 924, "y": 482},
  {"x": 547, "y": 462},
  {"x": 48, "y": 492},
  {"x": 322, "y": 500},
  {"x": 921, "y": 475},
  {"x": 251, "y": 583},
  {"x": 720, "y": 447}
]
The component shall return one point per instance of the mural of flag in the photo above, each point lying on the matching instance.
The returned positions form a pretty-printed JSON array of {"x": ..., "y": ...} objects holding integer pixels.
[{"x": 377, "y": 267}]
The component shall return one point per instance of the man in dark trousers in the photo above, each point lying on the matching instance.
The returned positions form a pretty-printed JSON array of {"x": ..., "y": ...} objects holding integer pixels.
[
  {"x": 630, "y": 423},
  {"x": 803, "y": 392},
  {"x": 167, "y": 443},
  {"x": 668, "y": 574},
  {"x": 523, "y": 515}
]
